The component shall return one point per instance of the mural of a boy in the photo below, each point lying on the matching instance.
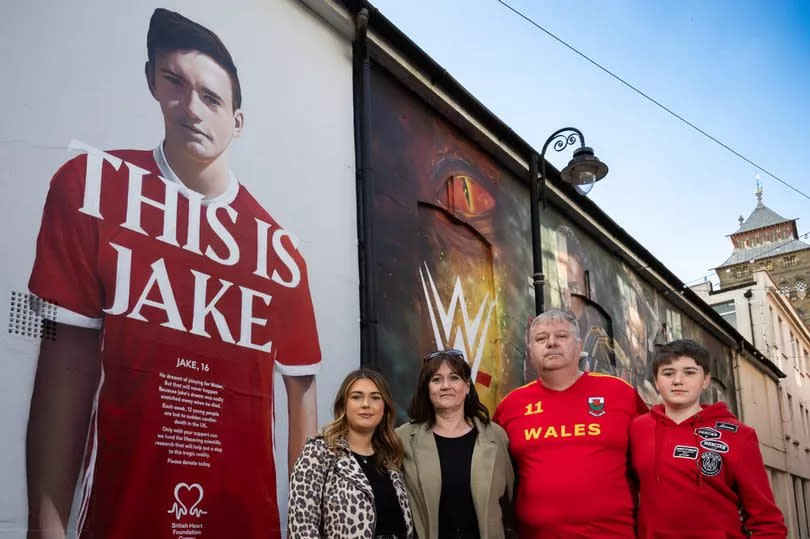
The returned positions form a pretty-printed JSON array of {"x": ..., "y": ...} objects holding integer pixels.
[{"x": 177, "y": 296}]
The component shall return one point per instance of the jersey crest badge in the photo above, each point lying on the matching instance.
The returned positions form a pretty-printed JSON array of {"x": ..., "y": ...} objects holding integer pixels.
[
  {"x": 711, "y": 463},
  {"x": 685, "y": 452},
  {"x": 715, "y": 445},
  {"x": 723, "y": 425},
  {"x": 597, "y": 406},
  {"x": 707, "y": 432}
]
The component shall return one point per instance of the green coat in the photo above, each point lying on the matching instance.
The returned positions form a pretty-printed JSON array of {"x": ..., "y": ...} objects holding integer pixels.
[{"x": 491, "y": 480}]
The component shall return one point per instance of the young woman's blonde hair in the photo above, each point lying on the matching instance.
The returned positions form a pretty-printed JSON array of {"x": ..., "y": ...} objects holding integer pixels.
[{"x": 385, "y": 442}]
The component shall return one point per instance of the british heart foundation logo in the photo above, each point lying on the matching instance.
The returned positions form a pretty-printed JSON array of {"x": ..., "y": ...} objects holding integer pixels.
[
  {"x": 596, "y": 406},
  {"x": 185, "y": 494}
]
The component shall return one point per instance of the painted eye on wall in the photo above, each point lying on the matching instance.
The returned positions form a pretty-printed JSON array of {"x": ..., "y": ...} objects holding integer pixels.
[{"x": 464, "y": 194}]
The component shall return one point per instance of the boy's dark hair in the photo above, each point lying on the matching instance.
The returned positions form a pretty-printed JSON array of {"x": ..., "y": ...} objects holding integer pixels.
[
  {"x": 681, "y": 348},
  {"x": 170, "y": 31}
]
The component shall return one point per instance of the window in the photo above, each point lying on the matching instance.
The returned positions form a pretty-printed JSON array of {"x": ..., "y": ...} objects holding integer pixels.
[
  {"x": 740, "y": 271},
  {"x": 728, "y": 311},
  {"x": 780, "y": 339},
  {"x": 801, "y": 288},
  {"x": 784, "y": 288},
  {"x": 674, "y": 324},
  {"x": 794, "y": 349},
  {"x": 790, "y": 261},
  {"x": 802, "y": 419},
  {"x": 805, "y": 419},
  {"x": 767, "y": 265},
  {"x": 780, "y": 336},
  {"x": 789, "y": 413}
]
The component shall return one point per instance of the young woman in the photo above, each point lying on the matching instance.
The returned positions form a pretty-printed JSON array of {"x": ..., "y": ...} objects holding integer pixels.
[
  {"x": 346, "y": 483},
  {"x": 456, "y": 464}
]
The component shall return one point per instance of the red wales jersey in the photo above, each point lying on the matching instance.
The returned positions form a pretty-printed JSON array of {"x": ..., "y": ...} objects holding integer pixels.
[
  {"x": 198, "y": 301},
  {"x": 571, "y": 451}
]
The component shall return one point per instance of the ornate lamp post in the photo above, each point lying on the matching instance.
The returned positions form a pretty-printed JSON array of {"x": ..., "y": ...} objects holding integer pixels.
[{"x": 582, "y": 172}]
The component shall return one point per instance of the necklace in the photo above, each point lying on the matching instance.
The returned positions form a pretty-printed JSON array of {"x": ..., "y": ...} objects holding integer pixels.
[{"x": 362, "y": 458}]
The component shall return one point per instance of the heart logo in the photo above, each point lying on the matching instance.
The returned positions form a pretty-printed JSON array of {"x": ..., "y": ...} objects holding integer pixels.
[{"x": 183, "y": 493}]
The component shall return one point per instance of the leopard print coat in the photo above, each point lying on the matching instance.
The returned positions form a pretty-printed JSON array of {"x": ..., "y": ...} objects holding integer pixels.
[{"x": 331, "y": 498}]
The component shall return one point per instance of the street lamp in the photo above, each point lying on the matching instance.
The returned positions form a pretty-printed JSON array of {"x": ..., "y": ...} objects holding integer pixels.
[{"x": 582, "y": 172}]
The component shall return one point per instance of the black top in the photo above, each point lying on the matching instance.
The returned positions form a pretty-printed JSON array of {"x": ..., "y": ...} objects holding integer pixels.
[
  {"x": 456, "y": 510},
  {"x": 389, "y": 514}
]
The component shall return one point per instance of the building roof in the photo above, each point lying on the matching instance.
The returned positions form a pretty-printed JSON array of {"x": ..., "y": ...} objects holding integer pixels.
[
  {"x": 765, "y": 250},
  {"x": 440, "y": 79},
  {"x": 762, "y": 216}
]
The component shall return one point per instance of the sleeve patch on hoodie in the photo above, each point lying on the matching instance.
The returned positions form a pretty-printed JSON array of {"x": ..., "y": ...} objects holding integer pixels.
[
  {"x": 711, "y": 463},
  {"x": 685, "y": 452},
  {"x": 707, "y": 432},
  {"x": 715, "y": 445},
  {"x": 722, "y": 425}
]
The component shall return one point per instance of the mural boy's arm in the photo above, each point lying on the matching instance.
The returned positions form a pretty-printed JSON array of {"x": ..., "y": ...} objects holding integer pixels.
[
  {"x": 302, "y": 407},
  {"x": 66, "y": 380}
]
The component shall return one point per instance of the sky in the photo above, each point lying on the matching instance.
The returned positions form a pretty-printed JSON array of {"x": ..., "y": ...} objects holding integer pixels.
[{"x": 739, "y": 70}]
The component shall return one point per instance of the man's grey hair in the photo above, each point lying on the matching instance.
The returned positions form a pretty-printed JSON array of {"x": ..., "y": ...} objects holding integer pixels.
[{"x": 555, "y": 315}]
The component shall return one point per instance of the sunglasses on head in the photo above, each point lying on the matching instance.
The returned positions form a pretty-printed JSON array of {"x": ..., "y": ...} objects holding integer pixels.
[{"x": 448, "y": 352}]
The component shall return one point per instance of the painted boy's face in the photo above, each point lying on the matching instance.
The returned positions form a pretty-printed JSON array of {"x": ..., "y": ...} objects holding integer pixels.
[
  {"x": 681, "y": 382},
  {"x": 196, "y": 98}
]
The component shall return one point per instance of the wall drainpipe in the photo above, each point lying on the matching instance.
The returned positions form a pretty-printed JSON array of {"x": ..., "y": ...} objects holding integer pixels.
[{"x": 361, "y": 66}]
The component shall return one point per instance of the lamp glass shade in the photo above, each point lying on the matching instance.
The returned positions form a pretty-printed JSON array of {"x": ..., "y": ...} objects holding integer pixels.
[
  {"x": 584, "y": 169},
  {"x": 584, "y": 189},
  {"x": 586, "y": 176}
]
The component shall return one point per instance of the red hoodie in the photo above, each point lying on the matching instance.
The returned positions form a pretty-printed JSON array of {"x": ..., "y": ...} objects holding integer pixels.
[{"x": 696, "y": 476}]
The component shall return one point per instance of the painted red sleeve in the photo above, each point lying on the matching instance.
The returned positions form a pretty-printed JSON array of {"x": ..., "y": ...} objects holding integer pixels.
[{"x": 64, "y": 269}]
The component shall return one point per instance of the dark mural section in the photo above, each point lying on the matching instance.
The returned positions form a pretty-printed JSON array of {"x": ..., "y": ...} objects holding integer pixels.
[
  {"x": 451, "y": 248},
  {"x": 609, "y": 298},
  {"x": 452, "y": 245}
]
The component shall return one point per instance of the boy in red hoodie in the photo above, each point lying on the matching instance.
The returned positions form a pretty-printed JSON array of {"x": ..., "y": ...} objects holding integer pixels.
[{"x": 700, "y": 470}]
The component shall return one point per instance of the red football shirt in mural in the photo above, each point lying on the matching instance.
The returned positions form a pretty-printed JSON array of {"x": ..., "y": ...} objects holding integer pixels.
[
  {"x": 198, "y": 301},
  {"x": 571, "y": 451}
]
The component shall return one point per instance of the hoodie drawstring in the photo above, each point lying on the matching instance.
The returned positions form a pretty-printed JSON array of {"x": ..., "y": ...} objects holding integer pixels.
[
  {"x": 657, "y": 458},
  {"x": 695, "y": 421}
]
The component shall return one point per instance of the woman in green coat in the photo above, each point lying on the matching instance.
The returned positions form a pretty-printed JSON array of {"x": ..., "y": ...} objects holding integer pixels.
[{"x": 457, "y": 468}]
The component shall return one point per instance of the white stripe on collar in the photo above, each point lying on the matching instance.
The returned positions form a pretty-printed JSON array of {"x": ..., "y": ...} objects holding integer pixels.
[{"x": 223, "y": 199}]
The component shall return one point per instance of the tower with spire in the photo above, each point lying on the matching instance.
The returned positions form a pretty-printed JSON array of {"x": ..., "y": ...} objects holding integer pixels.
[{"x": 766, "y": 240}]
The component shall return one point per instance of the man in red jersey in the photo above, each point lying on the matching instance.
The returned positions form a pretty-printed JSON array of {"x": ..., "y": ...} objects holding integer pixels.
[
  {"x": 698, "y": 456},
  {"x": 177, "y": 296},
  {"x": 568, "y": 435}
]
